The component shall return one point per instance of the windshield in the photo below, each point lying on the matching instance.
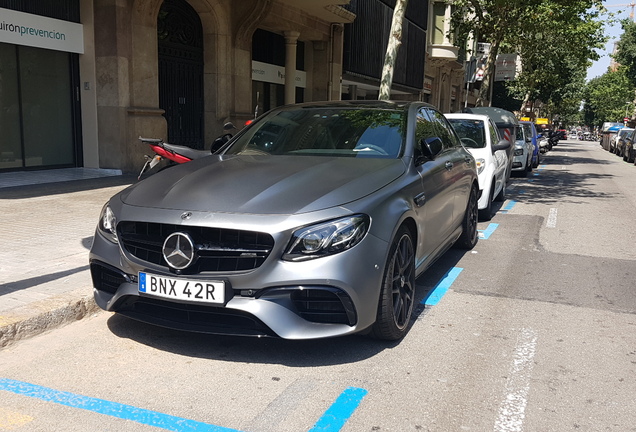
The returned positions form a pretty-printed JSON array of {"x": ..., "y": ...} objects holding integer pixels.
[
  {"x": 341, "y": 132},
  {"x": 527, "y": 129},
  {"x": 471, "y": 132}
]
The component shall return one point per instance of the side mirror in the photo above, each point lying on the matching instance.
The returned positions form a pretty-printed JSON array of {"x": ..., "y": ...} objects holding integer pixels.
[
  {"x": 539, "y": 136},
  {"x": 501, "y": 145},
  {"x": 431, "y": 147}
]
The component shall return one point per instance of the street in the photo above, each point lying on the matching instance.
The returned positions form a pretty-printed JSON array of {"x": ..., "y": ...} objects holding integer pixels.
[{"x": 532, "y": 330}]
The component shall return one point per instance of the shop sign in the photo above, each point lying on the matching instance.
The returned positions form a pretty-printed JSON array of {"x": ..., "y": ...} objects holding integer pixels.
[
  {"x": 428, "y": 85},
  {"x": 275, "y": 74},
  {"x": 542, "y": 121},
  {"x": 506, "y": 67},
  {"x": 21, "y": 28}
]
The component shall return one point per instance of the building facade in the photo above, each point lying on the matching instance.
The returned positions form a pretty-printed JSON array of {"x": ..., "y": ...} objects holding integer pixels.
[
  {"x": 81, "y": 80},
  {"x": 170, "y": 69}
]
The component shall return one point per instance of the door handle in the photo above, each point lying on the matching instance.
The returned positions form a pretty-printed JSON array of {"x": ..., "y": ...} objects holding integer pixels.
[
  {"x": 448, "y": 165},
  {"x": 420, "y": 199}
]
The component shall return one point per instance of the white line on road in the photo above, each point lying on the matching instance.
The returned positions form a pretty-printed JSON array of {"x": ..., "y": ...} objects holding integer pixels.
[
  {"x": 552, "y": 218},
  {"x": 513, "y": 407}
]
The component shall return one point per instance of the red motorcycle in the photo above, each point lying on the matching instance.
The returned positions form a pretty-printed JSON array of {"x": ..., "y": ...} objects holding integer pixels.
[{"x": 178, "y": 154}]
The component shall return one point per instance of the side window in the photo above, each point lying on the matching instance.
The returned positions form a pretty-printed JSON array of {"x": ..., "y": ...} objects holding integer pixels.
[
  {"x": 494, "y": 135},
  {"x": 424, "y": 128},
  {"x": 444, "y": 130}
]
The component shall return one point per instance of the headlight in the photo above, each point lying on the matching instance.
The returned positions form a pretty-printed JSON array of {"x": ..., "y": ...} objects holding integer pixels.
[
  {"x": 481, "y": 164},
  {"x": 108, "y": 224},
  {"x": 519, "y": 152},
  {"x": 327, "y": 238}
]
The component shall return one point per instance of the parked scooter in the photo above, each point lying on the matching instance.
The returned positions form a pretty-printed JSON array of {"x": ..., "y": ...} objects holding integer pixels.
[
  {"x": 178, "y": 154},
  {"x": 544, "y": 144}
]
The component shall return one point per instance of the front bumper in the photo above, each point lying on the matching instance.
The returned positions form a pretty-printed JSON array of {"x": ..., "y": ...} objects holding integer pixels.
[{"x": 324, "y": 297}]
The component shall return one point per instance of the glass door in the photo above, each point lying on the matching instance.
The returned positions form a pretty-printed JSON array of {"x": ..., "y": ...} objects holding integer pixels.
[{"x": 36, "y": 108}]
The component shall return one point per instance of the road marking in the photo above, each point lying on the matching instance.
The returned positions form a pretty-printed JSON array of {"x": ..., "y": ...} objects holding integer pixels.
[
  {"x": 337, "y": 415},
  {"x": 508, "y": 207},
  {"x": 513, "y": 406},
  {"x": 442, "y": 287},
  {"x": 113, "y": 409},
  {"x": 331, "y": 421},
  {"x": 485, "y": 234},
  {"x": 552, "y": 218}
]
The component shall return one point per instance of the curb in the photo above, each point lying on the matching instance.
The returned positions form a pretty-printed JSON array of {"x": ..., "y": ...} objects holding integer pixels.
[{"x": 40, "y": 317}]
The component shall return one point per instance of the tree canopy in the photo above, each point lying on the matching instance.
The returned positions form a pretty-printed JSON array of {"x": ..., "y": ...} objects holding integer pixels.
[
  {"x": 626, "y": 50},
  {"x": 608, "y": 98},
  {"x": 556, "y": 41}
]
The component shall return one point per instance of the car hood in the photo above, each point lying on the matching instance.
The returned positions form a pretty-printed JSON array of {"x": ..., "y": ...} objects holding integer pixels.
[{"x": 263, "y": 184}]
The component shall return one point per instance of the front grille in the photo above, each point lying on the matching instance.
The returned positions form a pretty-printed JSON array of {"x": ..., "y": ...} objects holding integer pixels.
[
  {"x": 106, "y": 278},
  {"x": 324, "y": 305},
  {"x": 218, "y": 250},
  {"x": 190, "y": 317}
]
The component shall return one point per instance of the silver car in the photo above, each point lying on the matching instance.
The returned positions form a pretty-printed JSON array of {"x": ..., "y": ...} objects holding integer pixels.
[{"x": 313, "y": 222}]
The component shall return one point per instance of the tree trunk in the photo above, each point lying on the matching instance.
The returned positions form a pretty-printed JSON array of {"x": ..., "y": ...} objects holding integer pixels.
[{"x": 395, "y": 40}]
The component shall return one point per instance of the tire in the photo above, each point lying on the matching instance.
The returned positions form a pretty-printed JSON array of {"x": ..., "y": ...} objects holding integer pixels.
[
  {"x": 630, "y": 156},
  {"x": 397, "y": 296},
  {"x": 529, "y": 165},
  {"x": 468, "y": 239},
  {"x": 486, "y": 214},
  {"x": 501, "y": 196}
]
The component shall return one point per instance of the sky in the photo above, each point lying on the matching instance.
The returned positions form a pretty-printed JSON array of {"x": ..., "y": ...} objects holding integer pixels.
[{"x": 614, "y": 32}]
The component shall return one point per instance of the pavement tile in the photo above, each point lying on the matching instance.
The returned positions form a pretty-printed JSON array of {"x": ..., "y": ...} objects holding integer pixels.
[{"x": 46, "y": 229}]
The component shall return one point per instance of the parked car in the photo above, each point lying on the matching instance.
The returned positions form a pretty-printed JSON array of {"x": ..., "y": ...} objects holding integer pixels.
[
  {"x": 530, "y": 132},
  {"x": 313, "y": 222},
  {"x": 623, "y": 135},
  {"x": 615, "y": 135},
  {"x": 507, "y": 125},
  {"x": 522, "y": 155},
  {"x": 479, "y": 135},
  {"x": 562, "y": 134},
  {"x": 628, "y": 151}
]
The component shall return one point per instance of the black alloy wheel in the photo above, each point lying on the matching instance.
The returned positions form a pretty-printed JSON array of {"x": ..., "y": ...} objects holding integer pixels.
[
  {"x": 468, "y": 238},
  {"x": 397, "y": 297}
]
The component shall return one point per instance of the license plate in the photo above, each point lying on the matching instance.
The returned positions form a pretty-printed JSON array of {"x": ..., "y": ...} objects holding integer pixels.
[{"x": 182, "y": 289}]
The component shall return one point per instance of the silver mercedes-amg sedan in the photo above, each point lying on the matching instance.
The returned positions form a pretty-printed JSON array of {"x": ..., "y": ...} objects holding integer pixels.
[{"x": 313, "y": 222}]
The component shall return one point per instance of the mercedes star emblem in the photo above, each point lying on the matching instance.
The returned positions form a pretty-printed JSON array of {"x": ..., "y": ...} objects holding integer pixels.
[{"x": 178, "y": 250}]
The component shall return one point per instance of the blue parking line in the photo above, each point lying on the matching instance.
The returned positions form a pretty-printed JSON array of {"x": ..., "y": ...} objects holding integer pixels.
[
  {"x": 337, "y": 415},
  {"x": 485, "y": 234},
  {"x": 442, "y": 287},
  {"x": 509, "y": 206},
  {"x": 113, "y": 409},
  {"x": 332, "y": 420}
]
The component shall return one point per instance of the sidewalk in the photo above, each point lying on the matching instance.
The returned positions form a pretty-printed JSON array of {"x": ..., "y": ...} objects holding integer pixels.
[{"x": 47, "y": 222}]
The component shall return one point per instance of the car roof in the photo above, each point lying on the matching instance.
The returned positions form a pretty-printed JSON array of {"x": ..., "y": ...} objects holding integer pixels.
[
  {"x": 468, "y": 116},
  {"x": 377, "y": 104}
]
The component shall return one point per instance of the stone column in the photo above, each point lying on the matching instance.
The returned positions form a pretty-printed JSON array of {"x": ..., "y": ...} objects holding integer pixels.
[{"x": 291, "y": 39}]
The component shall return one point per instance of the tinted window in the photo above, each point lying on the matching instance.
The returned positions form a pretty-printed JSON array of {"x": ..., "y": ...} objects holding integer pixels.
[
  {"x": 471, "y": 132},
  {"x": 444, "y": 129},
  {"x": 342, "y": 132},
  {"x": 424, "y": 128}
]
